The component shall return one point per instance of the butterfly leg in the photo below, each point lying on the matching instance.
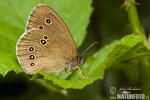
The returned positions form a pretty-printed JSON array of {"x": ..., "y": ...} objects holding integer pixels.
[
  {"x": 59, "y": 72},
  {"x": 80, "y": 72}
]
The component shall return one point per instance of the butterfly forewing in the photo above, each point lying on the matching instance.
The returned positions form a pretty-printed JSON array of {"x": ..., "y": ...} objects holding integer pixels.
[{"x": 38, "y": 18}]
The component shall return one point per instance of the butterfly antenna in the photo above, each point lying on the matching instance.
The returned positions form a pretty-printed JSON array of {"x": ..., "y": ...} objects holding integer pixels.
[
  {"x": 87, "y": 53},
  {"x": 88, "y": 48}
]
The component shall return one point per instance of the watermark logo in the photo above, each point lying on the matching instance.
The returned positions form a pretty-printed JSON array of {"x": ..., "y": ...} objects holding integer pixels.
[
  {"x": 132, "y": 93},
  {"x": 112, "y": 90}
]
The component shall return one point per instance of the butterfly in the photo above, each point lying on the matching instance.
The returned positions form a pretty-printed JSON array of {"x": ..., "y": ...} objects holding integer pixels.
[{"x": 47, "y": 44}]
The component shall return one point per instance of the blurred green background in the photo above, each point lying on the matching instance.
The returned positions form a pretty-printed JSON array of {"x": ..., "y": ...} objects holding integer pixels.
[{"x": 108, "y": 22}]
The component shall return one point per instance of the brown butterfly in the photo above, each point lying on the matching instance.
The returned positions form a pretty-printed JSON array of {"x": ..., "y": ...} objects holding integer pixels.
[{"x": 47, "y": 44}]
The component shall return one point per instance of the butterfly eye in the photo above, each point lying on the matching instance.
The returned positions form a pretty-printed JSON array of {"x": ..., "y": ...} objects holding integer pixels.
[
  {"x": 43, "y": 42},
  {"x": 45, "y": 37},
  {"x": 32, "y": 64},
  {"x": 31, "y": 57},
  {"x": 48, "y": 21},
  {"x": 31, "y": 49},
  {"x": 41, "y": 27}
]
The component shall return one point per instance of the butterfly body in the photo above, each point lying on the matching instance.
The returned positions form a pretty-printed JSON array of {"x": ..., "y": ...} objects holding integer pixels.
[
  {"x": 46, "y": 44},
  {"x": 75, "y": 62}
]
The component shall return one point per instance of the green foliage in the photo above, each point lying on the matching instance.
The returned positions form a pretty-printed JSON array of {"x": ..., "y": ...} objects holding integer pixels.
[{"x": 76, "y": 15}]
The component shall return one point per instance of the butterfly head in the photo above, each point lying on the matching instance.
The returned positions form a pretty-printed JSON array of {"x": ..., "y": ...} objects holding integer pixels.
[{"x": 80, "y": 60}]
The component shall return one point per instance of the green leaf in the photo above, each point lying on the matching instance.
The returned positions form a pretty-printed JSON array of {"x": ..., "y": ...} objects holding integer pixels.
[
  {"x": 8, "y": 63},
  {"x": 95, "y": 65},
  {"x": 76, "y": 16},
  {"x": 13, "y": 18}
]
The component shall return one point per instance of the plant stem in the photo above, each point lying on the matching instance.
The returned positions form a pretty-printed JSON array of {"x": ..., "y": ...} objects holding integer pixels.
[
  {"x": 134, "y": 19},
  {"x": 138, "y": 29},
  {"x": 145, "y": 75}
]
